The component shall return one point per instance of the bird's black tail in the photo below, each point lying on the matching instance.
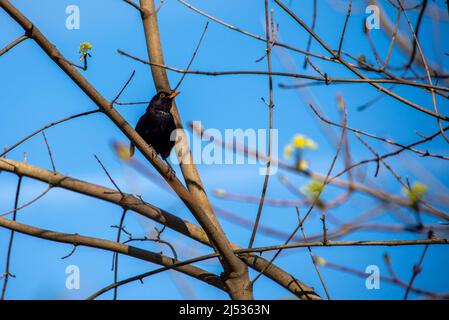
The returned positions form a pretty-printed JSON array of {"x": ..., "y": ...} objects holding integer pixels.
[{"x": 131, "y": 150}]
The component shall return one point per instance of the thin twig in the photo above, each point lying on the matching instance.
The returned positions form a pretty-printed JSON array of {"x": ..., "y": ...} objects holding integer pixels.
[
  {"x": 109, "y": 176},
  {"x": 49, "y": 152},
  {"x": 270, "y": 106},
  {"x": 317, "y": 269},
  {"x": 357, "y": 72},
  {"x": 416, "y": 271},
  {"x": 386, "y": 140},
  {"x": 373, "y": 81},
  {"x": 124, "y": 87},
  {"x": 11, "y": 239},
  {"x": 193, "y": 56},
  {"x": 292, "y": 245},
  {"x": 316, "y": 198},
  {"x": 132, "y": 4},
  {"x": 115, "y": 255},
  {"x": 393, "y": 279},
  {"x": 309, "y": 41},
  {"x": 348, "y": 14},
  {"x": 424, "y": 60},
  {"x": 13, "y": 44},
  {"x": 27, "y": 203},
  {"x": 7, "y": 150}
]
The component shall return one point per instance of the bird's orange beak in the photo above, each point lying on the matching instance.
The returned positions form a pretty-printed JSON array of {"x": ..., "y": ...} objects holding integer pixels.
[{"x": 174, "y": 94}]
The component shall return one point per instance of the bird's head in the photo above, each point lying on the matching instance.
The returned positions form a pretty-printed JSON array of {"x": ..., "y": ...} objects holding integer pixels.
[{"x": 162, "y": 101}]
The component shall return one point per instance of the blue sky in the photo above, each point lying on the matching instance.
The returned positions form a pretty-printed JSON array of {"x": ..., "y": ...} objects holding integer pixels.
[{"x": 35, "y": 92}]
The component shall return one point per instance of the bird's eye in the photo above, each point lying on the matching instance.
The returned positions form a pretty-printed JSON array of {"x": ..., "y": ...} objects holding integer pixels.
[{"x": 162, "y": 95}]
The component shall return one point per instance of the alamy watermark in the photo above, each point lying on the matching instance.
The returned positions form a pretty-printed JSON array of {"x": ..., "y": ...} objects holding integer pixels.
[
  {"x": 72, "y": 281},
  {"x": 373, "y": 280},
  {"x": 373, "y": 20},
  {"x": 72, "y": 22},
  {"x": 233, "y": 146}
]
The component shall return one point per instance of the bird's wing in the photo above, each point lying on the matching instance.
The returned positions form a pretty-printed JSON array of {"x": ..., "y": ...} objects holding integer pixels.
[
  {"x": 140, "y": 129},
  {"x": 142, "y": 125}
]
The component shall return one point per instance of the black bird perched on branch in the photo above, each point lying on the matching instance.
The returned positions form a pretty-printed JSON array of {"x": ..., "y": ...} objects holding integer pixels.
[{"x": 157, "y": 125}]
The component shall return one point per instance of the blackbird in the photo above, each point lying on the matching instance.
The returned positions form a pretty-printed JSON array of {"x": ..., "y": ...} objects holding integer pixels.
[{"x": 157, "y": 124}]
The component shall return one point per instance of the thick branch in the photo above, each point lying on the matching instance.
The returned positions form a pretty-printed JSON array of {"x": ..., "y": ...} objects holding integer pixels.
[
  {"x": 77, "y": 240},
  {"x": 137, "y": 205},
  {"x": 236, "y": 271},
  {"x": 197, "y": 207}
]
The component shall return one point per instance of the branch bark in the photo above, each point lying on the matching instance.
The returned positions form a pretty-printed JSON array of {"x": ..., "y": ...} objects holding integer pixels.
[
  {"x": 209, "y": 233},
  {"x": 235, "y": 271},
  {"x": 161, "y": 216},
  {"x": 79, "y": 240}
]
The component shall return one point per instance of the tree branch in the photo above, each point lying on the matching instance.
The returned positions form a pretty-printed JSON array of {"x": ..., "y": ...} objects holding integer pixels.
[
  {"x": 159, "y": 215},
  {"x": 131, "y": 251},
  {"x": 236, "y": 272}
]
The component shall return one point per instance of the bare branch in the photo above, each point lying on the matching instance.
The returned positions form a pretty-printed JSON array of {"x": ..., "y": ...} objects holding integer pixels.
[
  {"x": 77, "y": 240},
  {"x": 13, "y": 44}
]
